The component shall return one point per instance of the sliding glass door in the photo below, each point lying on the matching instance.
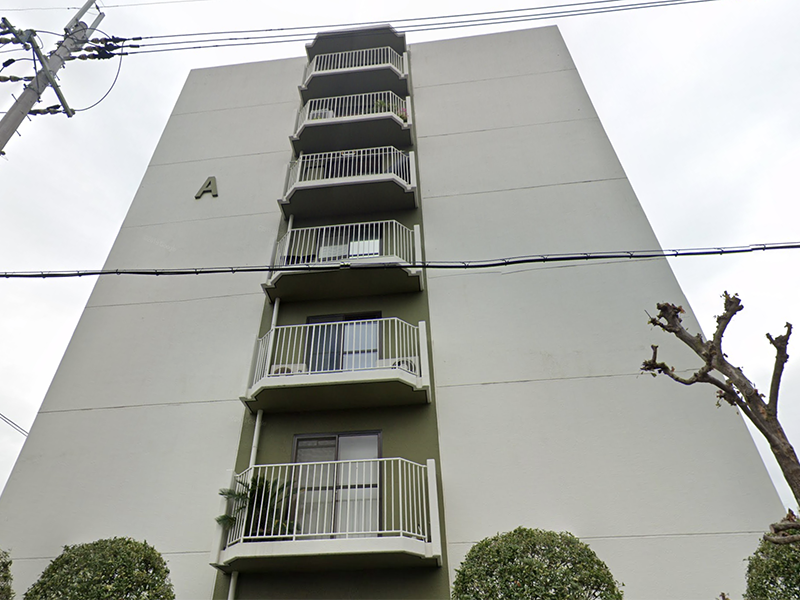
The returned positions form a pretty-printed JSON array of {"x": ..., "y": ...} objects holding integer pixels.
[
  {"x": 340, "y": 484},
  {"x": 343, "y": 342}
]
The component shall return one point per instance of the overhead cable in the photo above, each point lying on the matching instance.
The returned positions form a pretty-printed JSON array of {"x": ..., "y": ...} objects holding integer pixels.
[
  {"x": 448, "y": 265},
  {"x": 286, "y": 35},
  {"x": 313, "y": 29},
  {"x": 134, "y": 4},
  {"x": 13, "y": 425}
]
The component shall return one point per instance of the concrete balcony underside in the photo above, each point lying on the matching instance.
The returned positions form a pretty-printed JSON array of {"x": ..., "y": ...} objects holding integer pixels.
[
  {"x": 358, "y": 80},
  {"x": 330, "y": 554},
  {"x": 348, "y": 196},
  {"x": 344, "y": 282},
  {"x": 383, "y": 129},
  {"x": 324, "y": 391}
]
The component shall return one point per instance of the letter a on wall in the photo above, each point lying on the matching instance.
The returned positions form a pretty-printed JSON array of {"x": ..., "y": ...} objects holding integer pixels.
[{"x": 209, "y": 187}]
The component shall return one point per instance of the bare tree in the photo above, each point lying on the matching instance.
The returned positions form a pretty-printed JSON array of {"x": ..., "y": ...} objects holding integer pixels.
[{"x": 737, "y": 390}]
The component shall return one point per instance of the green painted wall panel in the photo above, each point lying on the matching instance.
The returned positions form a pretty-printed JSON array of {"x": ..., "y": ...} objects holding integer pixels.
[
  {"x": 422, "y": 584},
  {"x": 407, "y": 431}
]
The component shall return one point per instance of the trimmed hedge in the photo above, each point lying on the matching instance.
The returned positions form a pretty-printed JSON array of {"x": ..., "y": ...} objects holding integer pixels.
[
  {"x": 111, "y": 569},
  {"x": 773, "y": 572},
  {"x": 531, "y": 564}
]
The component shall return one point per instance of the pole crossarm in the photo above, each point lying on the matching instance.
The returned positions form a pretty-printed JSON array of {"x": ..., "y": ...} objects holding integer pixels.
[{"x": 76, "y": 34}]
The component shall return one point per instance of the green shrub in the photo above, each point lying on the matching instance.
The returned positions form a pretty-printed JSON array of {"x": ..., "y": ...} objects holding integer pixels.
[
  {"x": 6, "y": 593},
  {"x": 113, "y": 569},
  {"x": 773, "y": 572},
  {"x": 531, "y": 564}
]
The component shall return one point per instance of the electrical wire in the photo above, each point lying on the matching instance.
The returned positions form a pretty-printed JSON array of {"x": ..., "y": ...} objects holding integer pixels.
[
  {"x": 316, "y": 28},
  {"x": 152, "y": 3},
  {"x": 13, "y": 425},
  {"x": 306, "y": 37},
  {"x": 106, "y": 6},
  {"x": 276, "y": 36},
  {"x": 113, "y": 83},
  {"x": 426, "y": 265}
]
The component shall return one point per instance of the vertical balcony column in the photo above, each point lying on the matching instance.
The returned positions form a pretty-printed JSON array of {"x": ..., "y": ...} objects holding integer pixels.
[
  {"x": 256, "y": 437},
  {"x": 435, "y": 546},
  {"x": 423, "y": 350},
  {"x": 232, "y": 585},
  {"x": 271, "y": 342},
  {"x": 288, "y": 245}
]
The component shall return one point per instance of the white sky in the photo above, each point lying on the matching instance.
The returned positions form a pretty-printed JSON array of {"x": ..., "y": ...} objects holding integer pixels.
[{"x": 700, "y": 102}]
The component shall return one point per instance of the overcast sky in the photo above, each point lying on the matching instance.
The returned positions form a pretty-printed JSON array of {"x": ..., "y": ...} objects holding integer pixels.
[{"x": 700, "y": 102}]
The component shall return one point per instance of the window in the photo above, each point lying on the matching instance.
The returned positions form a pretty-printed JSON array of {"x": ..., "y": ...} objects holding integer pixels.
[{"x": 341, "y": 483}]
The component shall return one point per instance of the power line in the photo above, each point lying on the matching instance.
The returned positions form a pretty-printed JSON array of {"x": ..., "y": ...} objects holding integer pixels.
[
  {"x": 421, "y": 27},
  {"x": 410, "y": 25},
  {"x": 135, "y": 4},
  {"x": 316, "y": 28},
  {"x": 113, "y": 83},
  {"x": 438, "y": 265},
  {"x": 13, "y": 425}
]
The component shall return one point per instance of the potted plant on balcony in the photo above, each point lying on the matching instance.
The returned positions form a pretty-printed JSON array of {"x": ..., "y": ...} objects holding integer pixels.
[
  {"x": 383, "y": 106},
  {"x": 380, "y": 106},
  {"x": 264, "y": 504}
]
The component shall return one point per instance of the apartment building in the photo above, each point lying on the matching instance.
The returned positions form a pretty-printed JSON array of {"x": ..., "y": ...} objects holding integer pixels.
[{"x": 373, "y": 416}]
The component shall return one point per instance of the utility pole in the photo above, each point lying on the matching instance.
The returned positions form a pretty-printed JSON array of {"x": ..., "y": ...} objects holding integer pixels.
[{"x": 76, "y": 34}]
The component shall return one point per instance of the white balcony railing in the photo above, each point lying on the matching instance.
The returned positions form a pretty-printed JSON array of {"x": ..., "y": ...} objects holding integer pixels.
[
  {"x": 356, "y": 105},
  {"x": 354, "y": 59},
  {"x": 362, "y": 163},
  {"x": 345, "y": 346},
  {"x": 352, "y": 242},
  {"x": 372, "y": 498}
]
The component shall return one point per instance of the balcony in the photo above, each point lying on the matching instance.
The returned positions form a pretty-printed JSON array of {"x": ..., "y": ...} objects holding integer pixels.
[
  {"x": 356, "y": 39},
  {"x": 350, "y": 182},
  {"x": 355, "y": 72},
  {"x": 344, "y": 364},
  {"x": 372, "y": 513},
  {"x": 342, "y": 261},
  {"x": 341, "y": 122}
]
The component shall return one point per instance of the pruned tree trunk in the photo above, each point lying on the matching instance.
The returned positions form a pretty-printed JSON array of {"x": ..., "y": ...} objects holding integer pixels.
[{"x": 735, "y": 388}]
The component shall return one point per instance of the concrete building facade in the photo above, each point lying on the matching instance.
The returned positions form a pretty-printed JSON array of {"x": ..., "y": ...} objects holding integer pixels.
[{"x": 373, "y": 418}]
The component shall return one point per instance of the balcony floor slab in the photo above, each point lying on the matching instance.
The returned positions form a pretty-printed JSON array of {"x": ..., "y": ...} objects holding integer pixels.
[
  {"x": 364, "y": 131},
  {"x": 327, "y": 391},
  {"x": 343, "y": 282},
  {"x": 349, "y": 196},
  {"x": 315, "y": 555},
  {"x": 361, "y": 80}
]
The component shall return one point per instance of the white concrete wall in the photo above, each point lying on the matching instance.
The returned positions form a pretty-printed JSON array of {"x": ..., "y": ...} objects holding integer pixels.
[
  {"x": 544, "y": 418},
  {"x": 140, "y": 427}
]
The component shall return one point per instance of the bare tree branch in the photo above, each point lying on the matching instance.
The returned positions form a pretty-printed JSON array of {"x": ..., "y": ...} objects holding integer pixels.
[
  {"x": 780, "y": 344},
  {"x": 734, "y": 387},
  {"x": 732, "y": 306},
  {"x": 727, "y": 392},
  {"x": 669, "y": 319},
  {"x": 783, "y": 539},
  {"x": 782, "y": 526},
  {"x": 779, "y": 530}
]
